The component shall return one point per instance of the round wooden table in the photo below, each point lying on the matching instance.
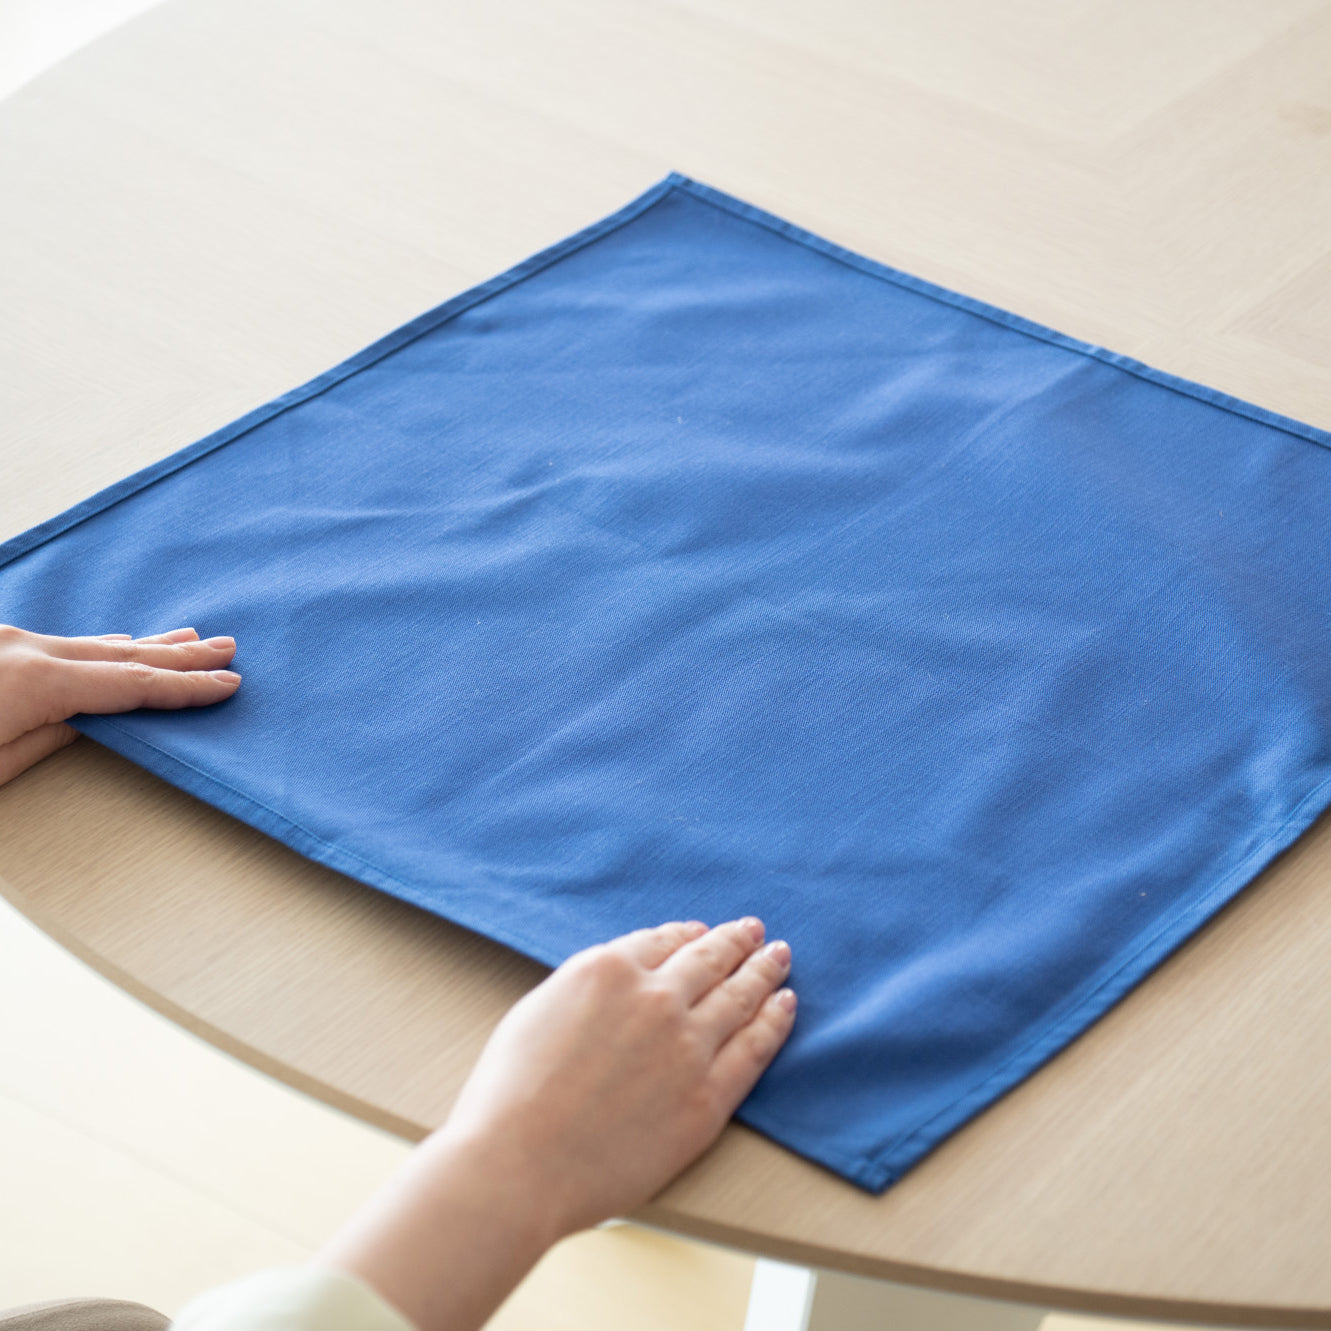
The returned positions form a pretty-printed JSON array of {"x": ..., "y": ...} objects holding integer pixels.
[{"x": 227, "y": 196}]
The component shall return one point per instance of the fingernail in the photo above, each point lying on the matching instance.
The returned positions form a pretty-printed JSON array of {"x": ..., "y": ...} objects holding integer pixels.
[
  {"x": 696, "y": 928},
  {"x": 222, "y": 644},
  {"x": 753, "y": 926},
  {"x": 786, "y": 999},
  {"x": 225, "y": 676},
  {"x": 778, "y": 951},
  {"x": 179, "y": 635}
]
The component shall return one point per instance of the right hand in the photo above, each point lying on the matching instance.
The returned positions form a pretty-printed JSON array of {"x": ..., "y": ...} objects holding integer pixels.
[
  {"x": 609, "y": 1078},
  {"x": 594, "y": 1091}
]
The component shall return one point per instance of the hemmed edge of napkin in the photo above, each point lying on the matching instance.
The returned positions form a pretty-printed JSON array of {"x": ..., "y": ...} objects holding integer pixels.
[
  {"x": 37, "y": 536},
  {"x": 1019, "y": 323},
  {"x": 27, "y": 541},
  {"x": 1075, "y": 1016},
  {"x": 873, "y": 1171}
]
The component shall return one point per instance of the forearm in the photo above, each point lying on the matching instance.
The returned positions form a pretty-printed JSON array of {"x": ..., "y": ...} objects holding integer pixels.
[
  {"x": 593, "y": 1092},
  {"x": 450, "y": 1236}
]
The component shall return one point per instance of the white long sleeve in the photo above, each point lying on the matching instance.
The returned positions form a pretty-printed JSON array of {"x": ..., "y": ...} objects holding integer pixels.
[{"x": 297, "y": 1298}]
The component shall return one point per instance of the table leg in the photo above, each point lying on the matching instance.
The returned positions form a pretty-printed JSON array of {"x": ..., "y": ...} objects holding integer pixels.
[
  {"x": 794, "y": 1298},
  {"x": 780, "y": 1298}
]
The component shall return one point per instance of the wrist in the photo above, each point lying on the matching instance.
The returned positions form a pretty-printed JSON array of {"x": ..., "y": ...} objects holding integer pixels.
[
  {"x": 450, "y": 1237},
  {"x": 510, "y": 1179}
]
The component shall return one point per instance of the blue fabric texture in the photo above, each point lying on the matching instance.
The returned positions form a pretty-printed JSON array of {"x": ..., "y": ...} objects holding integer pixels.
[{"x": 697, "y": 567}]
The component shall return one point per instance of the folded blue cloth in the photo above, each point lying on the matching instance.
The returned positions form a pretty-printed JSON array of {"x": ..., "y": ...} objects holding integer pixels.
[{"x": 698, "y": 567}]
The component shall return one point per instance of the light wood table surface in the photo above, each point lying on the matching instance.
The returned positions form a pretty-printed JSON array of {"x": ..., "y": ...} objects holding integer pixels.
[{"x": 225, "y": 197}]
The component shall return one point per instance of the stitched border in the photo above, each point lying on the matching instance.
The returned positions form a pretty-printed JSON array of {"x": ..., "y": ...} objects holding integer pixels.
[
  {"x": 873, "y": 1170},
  {"x": 1106, "y": 988},
  {"x": 36, "y": 536},
  {"x": 222, "y": 795},
  {"x": 1016, "y": 322}
]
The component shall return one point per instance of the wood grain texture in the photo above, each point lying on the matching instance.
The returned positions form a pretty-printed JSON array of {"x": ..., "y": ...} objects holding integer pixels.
[{"x": 227, "y": 196}]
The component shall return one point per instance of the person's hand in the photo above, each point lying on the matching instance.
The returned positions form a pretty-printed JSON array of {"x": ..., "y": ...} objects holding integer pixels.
[
  {"x": 44, "y": 680},
  {"x": 593, "y": 1092},
  {"x": 608, "y": 1079}
]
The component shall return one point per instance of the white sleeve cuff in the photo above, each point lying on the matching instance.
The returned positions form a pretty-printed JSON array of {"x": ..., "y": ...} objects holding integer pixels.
[{"x": 297, "y": 1298}]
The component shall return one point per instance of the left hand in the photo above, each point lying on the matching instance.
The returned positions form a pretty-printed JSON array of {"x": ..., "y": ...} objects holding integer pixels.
[{"x": 44, "y": 680}]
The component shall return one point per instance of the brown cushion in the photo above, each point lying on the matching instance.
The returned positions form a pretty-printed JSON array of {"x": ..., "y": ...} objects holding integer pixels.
[{"x": 83, "y": 1315}]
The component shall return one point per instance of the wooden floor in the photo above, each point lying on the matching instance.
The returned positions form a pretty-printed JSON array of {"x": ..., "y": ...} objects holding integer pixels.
[{"x": 137, "y": 1162}]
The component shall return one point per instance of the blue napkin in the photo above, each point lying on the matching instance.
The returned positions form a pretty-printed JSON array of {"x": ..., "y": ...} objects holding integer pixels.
[{"x": 698, "y": 567}]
